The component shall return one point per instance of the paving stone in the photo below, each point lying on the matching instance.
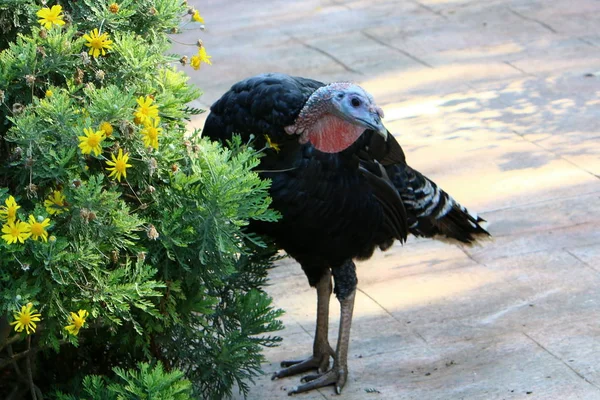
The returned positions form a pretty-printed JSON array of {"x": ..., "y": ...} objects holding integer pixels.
[
  {"x": 497, "y": 102},
  {"x": 589, "y": 255}
]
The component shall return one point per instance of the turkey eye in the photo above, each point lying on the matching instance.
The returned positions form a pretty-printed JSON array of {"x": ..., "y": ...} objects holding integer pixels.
[{"x": 355, "y": 102}]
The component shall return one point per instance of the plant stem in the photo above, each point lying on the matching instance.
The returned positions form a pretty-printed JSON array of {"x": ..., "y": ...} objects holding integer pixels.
[
  {"x": 10, "y": 341},
  {"x": 29, "y": 373},
  {"x": 14, "y": 362}
]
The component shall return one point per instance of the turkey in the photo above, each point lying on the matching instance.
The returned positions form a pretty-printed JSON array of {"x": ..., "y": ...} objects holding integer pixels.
[{"x": 343, "y": 188}]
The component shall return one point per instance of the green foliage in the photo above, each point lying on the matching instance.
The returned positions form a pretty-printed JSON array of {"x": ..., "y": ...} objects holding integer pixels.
[
  {"x": 144, "y": 383},
  {"x": 153, "y": 264}
]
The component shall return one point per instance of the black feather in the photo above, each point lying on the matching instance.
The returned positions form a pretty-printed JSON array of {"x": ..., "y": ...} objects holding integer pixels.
[{"x": 335, "y": 207}]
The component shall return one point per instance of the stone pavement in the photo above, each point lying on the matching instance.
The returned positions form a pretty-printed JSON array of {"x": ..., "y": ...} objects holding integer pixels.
[{"x": 497, "y": 101}]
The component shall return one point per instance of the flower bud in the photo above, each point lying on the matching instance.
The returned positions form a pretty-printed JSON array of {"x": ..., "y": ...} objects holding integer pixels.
[
  {"x": 100, "y": 75},
  {"x": 152, "y": 233},
  {"x": 17, "y": 108},
  {"x": 85, "y": 58},
  {"x": 31, "y": 190},
  {"x": 30, "y": 80},
  {"x": 17, "y": 153},
  {"x": 78, "y": 78},
  {"x": 84, "y": 213},
  {"x": 152, "y": 165}
]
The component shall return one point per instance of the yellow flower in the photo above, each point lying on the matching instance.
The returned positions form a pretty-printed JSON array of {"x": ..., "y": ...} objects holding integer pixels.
[
  {"x": 201, "y": 57},
  {"x": 76, "y": 322},
  {"x": 150, "y": 134},
  {"x": 107, "y": 128},
  {"x": 49, "y": 93},
  {"x": 38, "y": 229},
  {"x": 25, "y": 319},
  {"x": 98, "y": 44},
  {"x": 113, "y": 8},
  {"x": 16, "y": 231},
  {"x": 92, "y": 141},
  {"x": 271, "y": 144},
  {"x": 119, "y": 165},
  {"x": 55, "y": 203},
  {"x": 195, "y": 62},
  {"x": 50, "y": 16},
  {"x": 146, "y": 110},
  {"x": 197, "y": 17},
  {"x": 9, "y": 212}
]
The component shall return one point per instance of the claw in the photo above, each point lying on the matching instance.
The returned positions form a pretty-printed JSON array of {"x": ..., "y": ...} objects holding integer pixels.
[
  {"x": 335, "y": 376},
  {"x": 309, "y": 378},
  {"x": 319, "y": 362}
]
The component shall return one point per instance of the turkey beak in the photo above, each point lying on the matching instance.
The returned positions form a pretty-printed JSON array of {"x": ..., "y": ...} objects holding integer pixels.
[
  {"x": 376, "y": 123},
  {"x": 379, "y": 128}
]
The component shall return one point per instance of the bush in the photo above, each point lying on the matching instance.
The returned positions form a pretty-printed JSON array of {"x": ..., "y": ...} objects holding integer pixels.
[{"x": 123, "y": 240}]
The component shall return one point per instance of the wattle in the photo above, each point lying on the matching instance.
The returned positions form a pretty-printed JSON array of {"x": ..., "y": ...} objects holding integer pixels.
[{"x": 331, "y": 134}]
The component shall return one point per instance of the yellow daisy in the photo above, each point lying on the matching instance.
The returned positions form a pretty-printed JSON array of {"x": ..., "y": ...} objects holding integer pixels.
[
  {"x": 92, "y": 141},
  {"x": 55, "y": 203},
  {"x": 16, "y": 231},
  {"x": 49, "y": 93},
  {"x": 201, "y": 57},
  {"x": 26, "y": 319},
  {"x": 97, "y": 43},
  {"x": 9, "y": 211},
  {"x": 146, "y": 110},
  {"x": 38, "y": 229},
  {"x": 119, "y": 165},
  {"x": 51, "y": 16},
  {"x": 76, "y": 322},
  {"x": 150, "y": 134},
  {"x": 107, "y": 128},
  {"x": 113, "y": 8},
  {"x": 271, "y": 144},
  {"x": 197, "y": 17}
]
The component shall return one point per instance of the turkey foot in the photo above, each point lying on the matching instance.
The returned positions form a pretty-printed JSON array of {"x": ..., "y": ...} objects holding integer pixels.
[
  {"x": 335, "y": 376},
  {"x": 321, "y": 348},
  {"x": 338, "y": 374},
  {"x": 318, "y": 361}
]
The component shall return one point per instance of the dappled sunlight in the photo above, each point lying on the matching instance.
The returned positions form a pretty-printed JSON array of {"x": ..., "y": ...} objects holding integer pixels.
[
  {"x": 396, "y": 294},
  {"x": 397, "y": 111},
  {"x": 419, "y": 291},
  {"x": 401, "y": 82}
]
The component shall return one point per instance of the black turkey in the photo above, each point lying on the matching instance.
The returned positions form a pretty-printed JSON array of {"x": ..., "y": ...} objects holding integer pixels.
[{"x": 343, "y": 188}]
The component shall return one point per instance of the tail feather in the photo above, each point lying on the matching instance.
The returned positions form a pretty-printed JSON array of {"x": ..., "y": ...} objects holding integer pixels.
[{"x": 431, "y": 211}]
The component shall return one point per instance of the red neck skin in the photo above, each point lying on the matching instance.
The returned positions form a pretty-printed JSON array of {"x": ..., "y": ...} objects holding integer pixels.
[{"x": 331, "y": 134}]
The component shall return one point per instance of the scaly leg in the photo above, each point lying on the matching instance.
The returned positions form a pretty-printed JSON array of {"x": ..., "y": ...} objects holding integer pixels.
[
  {"x": 345, "y": 290},
  {"x": 321, "y": 348}
]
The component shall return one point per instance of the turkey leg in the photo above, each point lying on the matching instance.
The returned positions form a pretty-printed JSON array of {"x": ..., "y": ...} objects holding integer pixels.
[
  {"x": 321, "y": 348},
  {"x": 345, "y": 290}
]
